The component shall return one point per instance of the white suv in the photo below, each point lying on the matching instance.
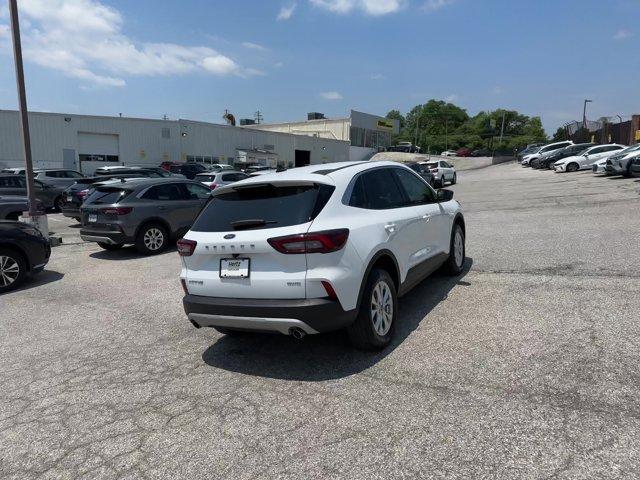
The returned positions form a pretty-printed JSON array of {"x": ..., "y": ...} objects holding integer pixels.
[
  {"x": 442, "y": 172},
  {"x": 318, "y": 248}
]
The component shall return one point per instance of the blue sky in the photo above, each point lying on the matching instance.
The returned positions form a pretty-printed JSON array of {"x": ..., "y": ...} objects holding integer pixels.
[{"x": 193, "y": 59}]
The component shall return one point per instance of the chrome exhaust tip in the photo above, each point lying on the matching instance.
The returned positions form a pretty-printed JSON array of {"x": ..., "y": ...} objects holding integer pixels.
[{"x": 297, "y": 333}]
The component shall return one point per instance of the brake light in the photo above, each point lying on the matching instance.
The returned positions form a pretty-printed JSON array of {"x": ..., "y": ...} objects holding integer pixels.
[
  {"x": 117, "y": 210},
  {"x": 213, "y": 186},
  {"x": 186, "y": 247},
  {"x": 317, "y": 242},
  {"x": 82, "y": 193}
]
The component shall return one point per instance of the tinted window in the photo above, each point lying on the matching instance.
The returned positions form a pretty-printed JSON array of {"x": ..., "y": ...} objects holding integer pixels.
[
  {"x": 10, "y": 182},
  {"x": 205, "y": 178},
  {"x": 417, "y": 192},
  {"x": 54, "y": 174},
  {"x": 268, "y": 206},
  {"x": 377, "y": 190},
  {"x": 166, "y": 192},
  {"x": 195, "y": 191},
  {"x": 106, "y": 196}
]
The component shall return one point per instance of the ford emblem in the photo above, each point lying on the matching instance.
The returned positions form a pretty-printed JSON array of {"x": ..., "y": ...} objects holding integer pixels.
[{"x": 229, "y": 236}]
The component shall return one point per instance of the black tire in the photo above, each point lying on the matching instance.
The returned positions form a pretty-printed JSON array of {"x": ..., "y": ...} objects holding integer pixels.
[
  {"x": 110, "y": 246},
  {"x": 440, "y": 183},
  {"x": 627, "y": 173},
  {"x": 77, "y": 219},
  {"x": 57, "y": 204},
  {"x": 455, "y": 263},
  {"x": 455, "y": 179},
  {"x": 152, "y": 238},
  {"x": 13, "y": 216},
  {"x": 573, "y": 167},
  {"x": 362, "y": 332},
  {"x": 13, "y": 269}
]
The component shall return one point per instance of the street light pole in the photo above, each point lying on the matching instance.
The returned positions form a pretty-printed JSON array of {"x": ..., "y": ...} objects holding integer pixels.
[{"x": 22, "y": 99}]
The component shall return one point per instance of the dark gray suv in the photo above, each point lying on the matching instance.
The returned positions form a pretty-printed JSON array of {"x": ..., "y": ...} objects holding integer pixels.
[{"x": 146, "y": 212}]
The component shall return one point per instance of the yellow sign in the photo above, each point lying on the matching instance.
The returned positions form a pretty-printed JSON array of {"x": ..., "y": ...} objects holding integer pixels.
[
  {"x": 638, "y": 135},
  {"x": 143, "y": 154},
  {"x": 385, "y": 124}
]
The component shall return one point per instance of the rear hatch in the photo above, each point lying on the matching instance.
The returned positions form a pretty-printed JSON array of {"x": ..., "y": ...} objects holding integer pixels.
[
  {"x": 235, "y": 256},
  {"x": 101, "y": 208}
]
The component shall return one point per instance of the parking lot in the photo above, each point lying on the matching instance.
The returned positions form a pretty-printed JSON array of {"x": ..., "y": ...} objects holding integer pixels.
[{"x": 526, "y": 366}]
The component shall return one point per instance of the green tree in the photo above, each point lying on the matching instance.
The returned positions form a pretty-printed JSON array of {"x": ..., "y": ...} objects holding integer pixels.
[
  {"x": 396, "y": 115},
  {"x": 560, "y": 134}
]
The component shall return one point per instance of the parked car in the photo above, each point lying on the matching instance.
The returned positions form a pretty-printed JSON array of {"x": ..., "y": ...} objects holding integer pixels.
[
  {"x": 23, "y": 252},
  {"x": 12, "y": 206},
  {"x": 159, "y": 170},
  {"x": 218, "y": 167},
  {"x": 620, "y": 163},
  {"x": 264, "y": 171},
  {"x": 74, "y": 196},
  {"x": 57, "y": 176},
  {"x": 442, "y": 171},
  {"x": 14, "y": 171},
  {"x": 224, "y": 177},
  {"x": 545, "y": 151},
  {"x": 635, "y": 166},
  {"x": 318, "y": 248},
  {"x": 482, "y": 152},
  {"x": 257, "y": 168},
  {"x": 448, "y": 153},
  {"x": 49, "y": 195},
  {"x": 463, "y": 152},
  {"x": 143, "y": 172},
  {"x": 528, "y": 150},
  {"x": 189, "y": 170},
  {"x": 167, "y": 165},
  {"x": 600, "y": 166},
  {"x": 424, "y": 171},
  {"x": 570, "y": 151},
  {"x": 586, "y": 158},
  {"x": 145, "y": 212}
]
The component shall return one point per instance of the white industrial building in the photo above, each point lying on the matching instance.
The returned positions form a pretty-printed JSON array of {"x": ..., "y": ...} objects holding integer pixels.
[
  {"x": 366, "y": 133},
  {"x": 86, "y": 142}
]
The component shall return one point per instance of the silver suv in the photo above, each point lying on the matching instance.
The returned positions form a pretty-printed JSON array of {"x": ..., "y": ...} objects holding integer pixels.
[{"x": 146, "y": 212}]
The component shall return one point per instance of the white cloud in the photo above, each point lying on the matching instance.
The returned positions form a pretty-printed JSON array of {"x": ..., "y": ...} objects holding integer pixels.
[
  {"x": 83, "y": 39},
  {"x": 451, "y": 98},
  {"x": 370, "y": 7},
  {"x": 286, "y": 12},
  {"x": 377, "y": 76},
  {"x": 433, "y": 5},
  {"x": 254, "y": 46},
  {"x": 331, "y": 96},
  {"x": 623, "y": 34}
]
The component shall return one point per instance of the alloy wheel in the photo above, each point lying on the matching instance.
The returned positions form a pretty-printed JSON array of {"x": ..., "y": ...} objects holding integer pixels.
[
  {"x": 153, "y": 239},
  {"x": 458, "y": 248},
  {"x": 9, "y": 270},
  {"x": 381, "y": 308}
]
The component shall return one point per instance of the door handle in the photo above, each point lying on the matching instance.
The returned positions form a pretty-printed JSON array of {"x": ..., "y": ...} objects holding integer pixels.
[
  {"x": 390, "y": 228},
  {"x": 426, "y": 218}
]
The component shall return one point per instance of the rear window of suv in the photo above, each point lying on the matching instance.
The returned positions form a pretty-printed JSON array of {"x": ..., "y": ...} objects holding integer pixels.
[
  {"x": 107, "y": 196},
  {"x": 263, "y": 206}
]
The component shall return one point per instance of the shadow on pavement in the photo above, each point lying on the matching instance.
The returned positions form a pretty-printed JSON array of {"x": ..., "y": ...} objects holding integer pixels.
[
  {"x": 127, "y": 253},
  {"x": 39, "y": 279},
  {"x": 326, "y": 356}
]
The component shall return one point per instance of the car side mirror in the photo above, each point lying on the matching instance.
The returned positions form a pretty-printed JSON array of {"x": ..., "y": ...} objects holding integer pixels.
[{"x": 444, "y": 195}]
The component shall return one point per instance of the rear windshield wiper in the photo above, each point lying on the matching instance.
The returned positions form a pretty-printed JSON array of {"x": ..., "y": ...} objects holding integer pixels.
[{"x": 250, "y": 223}]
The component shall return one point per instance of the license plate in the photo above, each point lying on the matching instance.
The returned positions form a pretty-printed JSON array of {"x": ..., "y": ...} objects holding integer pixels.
[
  {"x": 93, "y": 218},
  {"x": 69, "y": 198},
  {"x": 234, "y": 268}
]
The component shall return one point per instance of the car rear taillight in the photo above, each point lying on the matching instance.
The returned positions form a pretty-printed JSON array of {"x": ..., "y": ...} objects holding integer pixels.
[
  {"x": 82, "y": 194},
  {"x": 316, "y": 242},
  {"x": 213, "y": 186},
  {"x": 186, "y": 247},
  {"x": 117, "y": 210}
]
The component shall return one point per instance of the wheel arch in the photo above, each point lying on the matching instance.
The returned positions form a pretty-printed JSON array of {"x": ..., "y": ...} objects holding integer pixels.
[
  {"x": 386, "y": 260},
  {"x": 20, "y": 251},
  {"x": 152, "y": 220}
]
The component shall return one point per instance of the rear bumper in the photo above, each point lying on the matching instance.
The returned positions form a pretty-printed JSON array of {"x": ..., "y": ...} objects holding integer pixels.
[
  {"x": 314, "y": 315},
  {"x": 104, "y": 236}
]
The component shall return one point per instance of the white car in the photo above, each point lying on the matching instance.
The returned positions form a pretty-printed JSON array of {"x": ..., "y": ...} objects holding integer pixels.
[
  {"x": 448, "y": 153},
  {"x": 600, "y": 166},
  {"x": 442, "y": 172},
  {"x": 318, "y": 248},
  {"x": 544, "y": 151},
  {"x": 587, "y": 158},
  {"x": 215, "y": 180},
  {"x": 620, "y": 162}
]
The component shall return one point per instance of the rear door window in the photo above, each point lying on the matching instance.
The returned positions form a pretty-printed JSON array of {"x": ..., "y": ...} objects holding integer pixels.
[
  {"x": 376, "y": 190},
  {"x": 195, "y": 191},
  {"x": 263, "y": 206},
  {"x": 164, "y": 193},
  {"x": 416, "y": 191}
]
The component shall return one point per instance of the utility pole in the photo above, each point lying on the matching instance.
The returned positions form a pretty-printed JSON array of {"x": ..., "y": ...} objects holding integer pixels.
[
  {"x": 502, "y": 128},
  {"x": 415, "y": 139},
  {"x": 584, "y": 119},
  {"x": 446, "y": 133},
  {"x": 258, "y": 117},
  {"x": 22, "y": 101}
]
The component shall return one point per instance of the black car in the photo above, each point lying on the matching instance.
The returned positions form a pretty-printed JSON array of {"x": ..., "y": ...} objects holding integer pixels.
[
  {"x": 23, "y": 252},
  {"x": 422, "y": 170},
  {"x": 565, "y": 152},
  {"x": 189, "y": 170},
  {"x": 482, "y": 152},
  {"x": 76, "y": 193}
]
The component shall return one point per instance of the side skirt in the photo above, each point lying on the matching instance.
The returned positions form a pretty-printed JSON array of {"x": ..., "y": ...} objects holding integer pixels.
[{"x": 421, "y": 271}]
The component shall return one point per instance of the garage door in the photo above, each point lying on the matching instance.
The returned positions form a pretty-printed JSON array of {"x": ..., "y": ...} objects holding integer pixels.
[{"x": 96, "y": 150}]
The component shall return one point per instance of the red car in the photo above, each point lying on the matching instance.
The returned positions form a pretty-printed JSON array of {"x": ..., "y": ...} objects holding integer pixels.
[
  {"x": 168, "y": 165},
  {"x": 463, "y": 152}
]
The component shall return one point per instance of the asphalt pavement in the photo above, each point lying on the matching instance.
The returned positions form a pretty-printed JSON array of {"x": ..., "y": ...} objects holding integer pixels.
[{"x": 526, "y": 366}]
